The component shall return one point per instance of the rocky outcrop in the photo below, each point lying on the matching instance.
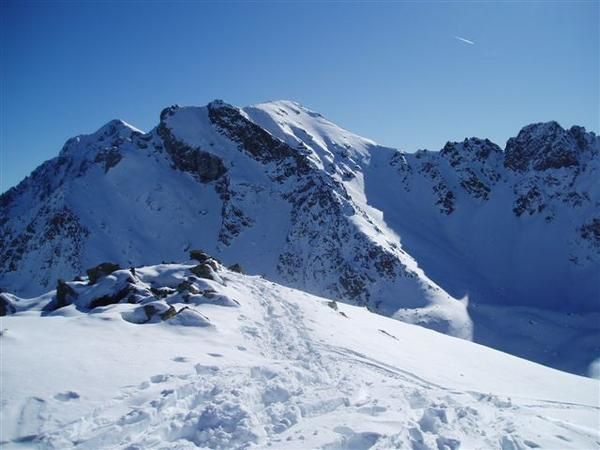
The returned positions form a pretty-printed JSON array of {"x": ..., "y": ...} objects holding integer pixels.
[
  {"x": 7, "y": 307},
  {"x": 544, "y": 146},
  {"x": 101, "y": 270},
  {"x": 590, "y": 231},
  {"x": 237, "y": 268},
  {"x": 250, "y": 137},
  {"x": 199, "y": 256},
  {"x": 110, "y": 157},
  {"x": 65, "y": 295},
  {"x": 205, "y": 166}
]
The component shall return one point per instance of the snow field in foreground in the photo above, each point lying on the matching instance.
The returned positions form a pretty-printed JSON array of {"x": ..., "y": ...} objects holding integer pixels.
[{"x": 284, "y": 369}]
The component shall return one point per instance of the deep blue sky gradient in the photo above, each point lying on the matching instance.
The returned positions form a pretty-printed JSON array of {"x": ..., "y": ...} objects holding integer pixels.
[{"x": 391, "y": 71}]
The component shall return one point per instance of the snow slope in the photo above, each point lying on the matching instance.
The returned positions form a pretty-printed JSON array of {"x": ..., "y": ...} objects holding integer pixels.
[
  {"x": 500, "y": 247},
  {"x": 252, "y": 364},
  {"x": 236, "y": 192},
  {"x": 519, "y": 227}
]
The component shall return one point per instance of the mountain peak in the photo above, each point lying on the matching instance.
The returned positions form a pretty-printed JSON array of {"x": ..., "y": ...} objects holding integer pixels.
[
  {"x": 116, "y": 127},
  {"x": 112, "y": 133},
  {"x": 547, "y": 145},
  {"x": 218, "y": 103},
  {"x": 285, "y": 107},
  {"x": 539, "y": 129},
  {"x": 291, "y": 195},
  {"x": 471, "y": 148}
]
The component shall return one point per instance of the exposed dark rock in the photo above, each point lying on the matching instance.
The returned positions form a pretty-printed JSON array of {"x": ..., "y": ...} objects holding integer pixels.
[
  {"x": 445, "y": 198},
  {"x": 168, "y": 111},
  {"x": 575, "y": 198},
  {"x": 162, "y": 292},
  {"x": 353, "y": 287},
  {"x": 252, "y": 138},
  {"x": 199, "y": 256},
  {"x": 591, "y": 232},
  {"x": 385, "y": 262},
  {"x": 6, "y": 306},
  {"x": 129, "y": 292},
  {"x": 233, "y": 218},
  {"x": 65, "y": 295},
  {"x": 171, "y": 312},
  {"x": 108, "y": 299},
  {"x": 150, "y": 311},
  {"x": 101, "y": 270},
  {"x": 110, "y": 157},
  {"x": 471, "y": 149},
  {"x": 475, "y": 187},
  {"x": 187, "y": 286},
  {"x": 206, "y": 167},
  {"x": 531, "y": 202},
  {"x": 156, "y": 310},
  {"x": 209, "y": 293},
  {"x": 64, "y": 222},
  {"x": 213, "y": 264},
  {"x": 333, "y": 305},
  {"x": 203, "y": 271},
  {"x": 545, "y": 146},
  {"x": 236, "y": 268},
  {"x": 161, "y": 311},
  {"x": 256, "y": 141},
  {"x": 8, "y": 197},
  {"x": 53, "y": 229}
]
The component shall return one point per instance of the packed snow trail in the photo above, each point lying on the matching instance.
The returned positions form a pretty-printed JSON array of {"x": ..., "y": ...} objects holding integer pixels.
[{"x": 282, "y": 370}]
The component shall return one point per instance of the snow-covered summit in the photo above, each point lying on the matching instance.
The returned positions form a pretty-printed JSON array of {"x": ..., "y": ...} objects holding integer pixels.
[
  {"x": 439, "y": 239},
  {"x": 326, "y": 143},
  {"x": 112, "y": 133}
]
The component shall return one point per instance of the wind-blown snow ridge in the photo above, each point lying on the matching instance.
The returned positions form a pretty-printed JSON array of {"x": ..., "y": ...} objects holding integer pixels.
[
  {"x": 448, "y": 239},
  {"x": 241, "y": 362}
]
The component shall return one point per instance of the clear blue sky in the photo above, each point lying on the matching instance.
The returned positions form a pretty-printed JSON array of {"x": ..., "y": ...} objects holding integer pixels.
[{"x": 391, "y": 71}]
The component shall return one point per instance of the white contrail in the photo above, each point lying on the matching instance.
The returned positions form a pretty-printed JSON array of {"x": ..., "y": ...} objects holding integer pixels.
[{"x": 466, "y": 41}]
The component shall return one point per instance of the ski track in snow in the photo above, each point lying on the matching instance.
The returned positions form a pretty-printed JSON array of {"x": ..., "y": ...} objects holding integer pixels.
[{"x": 308, "y": 394}]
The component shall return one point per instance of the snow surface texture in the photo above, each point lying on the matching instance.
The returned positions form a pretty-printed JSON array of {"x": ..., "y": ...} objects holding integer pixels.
[
  {"x": 467, "y": 241},
  {"x": 258, "y": 365}
]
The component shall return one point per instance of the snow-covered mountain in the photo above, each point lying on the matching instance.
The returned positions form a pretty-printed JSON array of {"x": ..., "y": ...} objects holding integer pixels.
[
  {"x": 186, "y": 356},
  {"x": 498, "y": 246}
]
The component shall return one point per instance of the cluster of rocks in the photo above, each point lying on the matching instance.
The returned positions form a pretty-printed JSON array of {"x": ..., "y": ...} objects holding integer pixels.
[{"x": 173, "y": 300}]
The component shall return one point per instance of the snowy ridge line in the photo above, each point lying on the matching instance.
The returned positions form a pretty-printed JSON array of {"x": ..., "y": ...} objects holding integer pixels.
[{"x": 497, "y": 246}]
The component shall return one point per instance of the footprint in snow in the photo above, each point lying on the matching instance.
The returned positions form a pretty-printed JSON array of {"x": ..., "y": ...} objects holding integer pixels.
[
  {"x": 349, "y": 439},
  {"x": 66, "y": 396},
  {"x": 372, "y": 410},
  {"x": 180, "y": 359},
  {"x": 31, "y": 419},
  {"x": 160, "y": 378}
]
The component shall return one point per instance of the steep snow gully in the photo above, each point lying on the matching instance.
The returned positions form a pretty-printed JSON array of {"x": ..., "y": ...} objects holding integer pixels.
[{"x": 269, "y": 367}]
